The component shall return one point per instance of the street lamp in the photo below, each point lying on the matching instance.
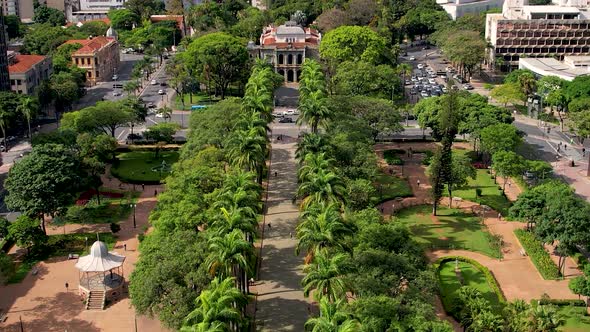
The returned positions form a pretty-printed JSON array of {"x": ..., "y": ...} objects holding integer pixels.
[{"x": 133, "y": 206}]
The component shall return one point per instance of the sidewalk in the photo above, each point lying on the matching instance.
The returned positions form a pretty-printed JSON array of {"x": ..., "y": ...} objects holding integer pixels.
[{"x": 280, "y": 303}]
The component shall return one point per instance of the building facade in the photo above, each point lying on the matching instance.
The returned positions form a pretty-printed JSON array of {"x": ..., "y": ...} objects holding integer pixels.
[
  {"x": 28, "y": 71},
  {"x": 286, "y": 47},
  {"x": 568, "y": 69},
  {"x": 537, "y": 32},
  {"x": 459, "y": 8},
  {"x": 88, "y": 10},
  {"x": 4, "y": 77},
  {"x": 99, "y": 56}
]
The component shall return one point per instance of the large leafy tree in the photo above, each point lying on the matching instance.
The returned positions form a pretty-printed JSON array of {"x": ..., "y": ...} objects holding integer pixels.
[
  {"x": 123, "y": 19},
  {"x": 43, "y": 182},
  {"x": 219, "y": 59},
  {"x": 499, "y": 137},
  {"x": 363, "y": 78},
  {"x": 163, "y": 284},
  {"x": 145, "y": 8},
  {"x": 508, "y": 164},
  {"x": 105, "y": 116},
  {"x": 26, "y": 232},
  {"x": 52, "y": 16},
  {"x": 352, "y": 43}
]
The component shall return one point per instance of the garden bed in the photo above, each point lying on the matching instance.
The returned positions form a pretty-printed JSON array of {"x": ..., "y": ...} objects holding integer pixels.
[
  {"x": 93, "y": 213},
  {"x": 491, "y": 193},
  {"x": 388, "y": 187},
  {"x": 540, "y": 258}
]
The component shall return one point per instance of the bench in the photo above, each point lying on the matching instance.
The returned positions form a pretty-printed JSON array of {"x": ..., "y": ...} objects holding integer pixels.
[{"x": 522, "y": 252}]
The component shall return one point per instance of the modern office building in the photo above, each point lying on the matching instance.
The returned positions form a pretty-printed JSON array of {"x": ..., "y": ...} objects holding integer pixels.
[
  {"x": 286, "y": 47},
  {"x": 87, "y": 10},
  {"x": 555, "y": 31},
  {"x": 99, "y": 56},
  {"x": 459, "y": 8},
  {"x": 4, "y": 77},
  {"x": 28, "y": 71}
]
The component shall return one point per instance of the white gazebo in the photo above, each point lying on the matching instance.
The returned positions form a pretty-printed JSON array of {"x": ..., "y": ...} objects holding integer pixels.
[{"x": 100, "y": 274}]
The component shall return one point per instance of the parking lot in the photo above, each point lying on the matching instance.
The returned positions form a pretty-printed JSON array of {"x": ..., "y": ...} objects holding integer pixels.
[{"x": 431, "y": 76}]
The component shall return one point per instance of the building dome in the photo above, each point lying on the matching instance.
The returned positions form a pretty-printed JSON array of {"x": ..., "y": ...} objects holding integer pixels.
[
  {"x": 111, "y": 32},
  {"x": 99, "y": 250}
]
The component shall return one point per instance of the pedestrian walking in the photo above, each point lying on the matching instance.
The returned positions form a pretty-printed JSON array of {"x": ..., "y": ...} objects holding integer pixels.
[
  {"x": 565, "y": 146},
  {"x": 67, "y": 286},
  {"x": 156, "y": 192},
  {"x": 268, "y": 226},
  {"x": 418, "y": 182},
  {"x": 143, "y": 187},
  {"x": 275, "y": 174},
  {"x": 381, "y": 209},
  {"x": 499, "y": 216},
  {"x": 125, "y": 246},
  {"x": 509, "y": 184},
  {"x": 291, "y": 235},
  {"x": 583, "y": 152}
]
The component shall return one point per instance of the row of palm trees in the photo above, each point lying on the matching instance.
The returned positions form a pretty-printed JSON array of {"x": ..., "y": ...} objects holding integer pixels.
[
  {"x": 235, "y": 213},
  {"x": 323, "y": 229}
]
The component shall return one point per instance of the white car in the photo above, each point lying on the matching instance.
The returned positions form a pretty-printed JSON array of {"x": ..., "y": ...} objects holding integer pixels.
[
  {"x": 289, "y": 112},
  {"x": 161, "y": 92},
  {"x": 116, "y": 93},
  {"x": 154, "y": 82},
  {"x": 431, "y": 81},
  {"x": 159, "y": 115},
  {"x": 412, "y": 58},
  {"x": 420, "y": 66},
  {"x": 424, "y": 94},
  {"x": 115, "y": 77}
]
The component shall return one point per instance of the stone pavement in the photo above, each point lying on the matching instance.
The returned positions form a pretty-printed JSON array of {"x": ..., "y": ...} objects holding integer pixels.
[
  {"x": 43, "y": 303},
  {"x": 280, "y": 303}
]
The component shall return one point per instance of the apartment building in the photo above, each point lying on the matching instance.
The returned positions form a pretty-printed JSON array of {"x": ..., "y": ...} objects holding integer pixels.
[
  {"x": 86, "y": 10},
  {"x": 28, "y": 71},
  {"x": 554, "y": 31},
  {"x": 99, "y": 56}
]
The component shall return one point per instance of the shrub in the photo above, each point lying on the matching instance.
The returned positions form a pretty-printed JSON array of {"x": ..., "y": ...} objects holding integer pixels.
[
  {"x": 491, "y": 280},
  {"x": 427, "y": 158},
  {"x": 477, "y": 192},
  {"x": 559, "y": 302},
  {"x": 392, "y": 158},
  {"x": 488, "y": 86},
  {"x": 140, "y": 237},
  {"x": 115, "y": 227},
  {"x": 538, "y": 255}
]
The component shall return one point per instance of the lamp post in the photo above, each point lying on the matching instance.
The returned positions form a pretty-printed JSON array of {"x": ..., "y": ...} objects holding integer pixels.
[{"x": 133, "y": 206}]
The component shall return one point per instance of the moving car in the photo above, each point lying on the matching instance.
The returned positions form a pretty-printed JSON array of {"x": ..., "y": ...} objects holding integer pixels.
[
  {"x": 161, "y": 92},
  {"x": 420, "y": 66},
  {"x": 116, "y": 93},
  {"x": 151, "y": 105},
  {"x": 412, "y": 58},
  {"x": 115, "y": 77},
  {"x": 289, "y": 112},
  {"x": 154, "y": 82},
  {"x": 467, "y": 86},
  {"x": 285, "y": 120}
]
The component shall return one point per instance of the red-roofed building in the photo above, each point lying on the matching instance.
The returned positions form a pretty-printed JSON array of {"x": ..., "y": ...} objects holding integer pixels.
[
  {"x": 286, "y": 47},
  {"x": 28, "y": 71},
  {"x": 99, "y": 56}
]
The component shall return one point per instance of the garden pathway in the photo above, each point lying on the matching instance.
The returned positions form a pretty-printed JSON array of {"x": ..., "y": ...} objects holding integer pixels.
[
  {"x": 280, "y": 304},
  {"x": 43, "y": 302},
  {"x": 516, "y": 274}
]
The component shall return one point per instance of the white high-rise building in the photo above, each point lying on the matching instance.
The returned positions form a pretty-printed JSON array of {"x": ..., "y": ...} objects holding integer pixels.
[{"x": 459, "y": 8}]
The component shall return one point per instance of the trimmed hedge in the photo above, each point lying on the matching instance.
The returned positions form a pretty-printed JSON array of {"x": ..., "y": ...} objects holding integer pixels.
[
  {"x": 561, "y": 303},
  {"x": 534, "y": 248},
  {"x": 491, "y": 280}
]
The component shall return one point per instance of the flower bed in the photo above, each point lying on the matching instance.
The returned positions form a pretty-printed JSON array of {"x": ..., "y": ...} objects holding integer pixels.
[{"x": 534, "y": 248}]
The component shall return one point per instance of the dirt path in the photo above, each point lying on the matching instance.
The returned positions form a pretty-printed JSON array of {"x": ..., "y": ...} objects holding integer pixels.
[{"x": 44, "y": 304}]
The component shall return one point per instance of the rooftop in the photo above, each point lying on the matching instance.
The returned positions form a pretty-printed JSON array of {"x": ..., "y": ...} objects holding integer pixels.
[
  {"x": 24, "y": 63},
  {"x": 551, "y": 9},
  {"x": 91, "y": 45},
  {"x": 554, "y": 67}
]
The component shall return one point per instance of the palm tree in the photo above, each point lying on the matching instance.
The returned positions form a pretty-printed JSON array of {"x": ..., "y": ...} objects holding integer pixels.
[
  {"x": 27, "y": 107},
  {"x": 218, "y": 308},
  {"x": 313, "y": 163},
  {"x": 131, "y": 87},
  {"x": 230, "y": 255},
  {"x": 312, "y": 79},
  {"x": 404, "y": 69},
  {"x": 325, "y": 276},
  {"x": 545, "y": 318},
  {"x": 322, "y": 227},
  {"x": 314, "y": 110},
  {"x": 310, "y": 143},
  {"x": 235, "y": 218},
  {"x": 259, "y": 100},
  {"x": 487, "y": 321},
  {"x": 166, "y": 112},
  {"x": 332, "y": 319},
  {"x": 322, "y": 187},
  {"x": 247, "y": 150},
  {"x": 253, "y": 121}
]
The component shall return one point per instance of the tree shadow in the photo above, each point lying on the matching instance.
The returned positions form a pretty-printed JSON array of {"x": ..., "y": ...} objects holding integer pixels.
[{"x": 281, "y": 314}]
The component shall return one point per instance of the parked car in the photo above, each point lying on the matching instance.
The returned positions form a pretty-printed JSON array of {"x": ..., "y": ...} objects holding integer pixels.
[
  {"x": 420, "y": 66},
  {"x": 161, "y": 92},
  {"x": 154, "y": 82},
  {"x": 289, "y": 112},
  {"x": 115, "y": 77},
  {"x": 163, "y": 84},
  {"x": 407, "y": 82},
  {"x": 151, "y": 105},
  {"x": 116, "y": 93},
  {"x": 285, "y": 120},
  {"x": 412, "y": 58},
  {"x": 424, "y": 94},
  {"x": 467, "y": 86}
]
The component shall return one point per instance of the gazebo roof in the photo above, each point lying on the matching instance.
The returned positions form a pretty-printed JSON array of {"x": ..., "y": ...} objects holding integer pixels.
[{"x": 100, "y": 259}]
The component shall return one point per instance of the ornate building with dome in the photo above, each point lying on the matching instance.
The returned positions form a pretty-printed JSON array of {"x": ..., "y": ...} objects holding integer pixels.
[{"x": 286, "y": 47}]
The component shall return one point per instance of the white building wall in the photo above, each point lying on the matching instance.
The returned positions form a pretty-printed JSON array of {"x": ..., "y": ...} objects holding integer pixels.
[
  {"x": 100, "y": 5},
  {"x": 459, "y": 8}
]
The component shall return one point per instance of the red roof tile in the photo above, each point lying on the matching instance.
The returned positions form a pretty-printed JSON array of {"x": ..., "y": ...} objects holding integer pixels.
[
  {"x": 90, "y": 45},
  {"x": 24, "y": 63}
]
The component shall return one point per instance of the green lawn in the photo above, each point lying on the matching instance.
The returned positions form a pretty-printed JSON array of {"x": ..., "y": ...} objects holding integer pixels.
[
  {"x": 389, "y": 187},
  {"x": 143, "y": 166},
  {"x": 455, "y": 229},
  {"x": 200, "y": 98},
  {"x": 576, "y": 319},
  {"x": 92, "y": 213},
  {"x": 60, "y": 245},
  {"x": 490, "y": 194},
  {"x": 449, "y": 284}
]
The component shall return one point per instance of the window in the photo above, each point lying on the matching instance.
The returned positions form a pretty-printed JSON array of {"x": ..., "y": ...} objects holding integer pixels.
[
  {"x": 97, "y": 75},
  {"x": 89, "y": 74},
  {"x": 77, "y": 62}
]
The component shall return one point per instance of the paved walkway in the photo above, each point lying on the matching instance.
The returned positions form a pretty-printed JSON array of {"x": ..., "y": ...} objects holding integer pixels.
[
  {"x": 281, "y": 305},
  {"x": 43, "y": 302}
]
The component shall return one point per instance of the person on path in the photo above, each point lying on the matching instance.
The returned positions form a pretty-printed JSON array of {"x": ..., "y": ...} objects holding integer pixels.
[
  {"x": 499, "y": 216},
  {"x": 418, "y": 182},
  {"x": 156, "y": 192},
  {"x": 125, "y": 246},
  {"x": 268, "y": 226},
  {"x": 291, "y": 235},
  {"x": 67, "y": 286},
  {"x": 143, "y": 187},
  {"x": 275, "y": 174}
]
